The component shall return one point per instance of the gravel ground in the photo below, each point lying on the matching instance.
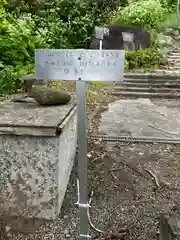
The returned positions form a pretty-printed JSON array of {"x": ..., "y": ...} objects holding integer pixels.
[
  {"x": 125, "y": 194},
  {"x": 132, "y": 185}
]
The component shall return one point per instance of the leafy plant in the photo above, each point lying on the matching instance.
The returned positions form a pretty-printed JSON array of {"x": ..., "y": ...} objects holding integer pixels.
[
  {"x": 8, "y": 76},
  {"x": 17, "y": 43},
  {"x": 69, "y": 24},
  {"x": 144, "y": 58},
  {"x": 171, "y": 21},
  {"x": 141, "y": 13}
]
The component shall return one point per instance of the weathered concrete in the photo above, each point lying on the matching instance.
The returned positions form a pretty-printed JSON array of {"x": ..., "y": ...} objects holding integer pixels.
[
  {"x": 140, "y": 117},
  {"x": 35, "y": 163},
  {"x": 31, "y": 118}
]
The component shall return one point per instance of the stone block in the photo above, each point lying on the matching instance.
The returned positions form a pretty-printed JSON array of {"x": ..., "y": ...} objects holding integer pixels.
[{"x": 37, "y": 150}]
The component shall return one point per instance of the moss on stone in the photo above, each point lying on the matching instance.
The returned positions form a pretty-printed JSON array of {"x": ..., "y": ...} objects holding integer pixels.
[{"x": 49, "y": 96}]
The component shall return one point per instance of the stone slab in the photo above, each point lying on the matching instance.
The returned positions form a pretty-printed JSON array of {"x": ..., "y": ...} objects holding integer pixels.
[
  {"x": 31, "y": 118},
  {"x": 147, "y": 94},
  {"x": 160, "y": 74},
  {"x": 140, "y": 117}
]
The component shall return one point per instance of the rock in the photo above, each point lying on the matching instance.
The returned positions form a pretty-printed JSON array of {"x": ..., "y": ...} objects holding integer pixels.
[
  {"x": 177, "y": 37},
  {"x": 166, "y": 41},
  {"x": 175, "y": 33},
  {"x": 49, "y": 96},
  {"x": 172, "y": 32}
]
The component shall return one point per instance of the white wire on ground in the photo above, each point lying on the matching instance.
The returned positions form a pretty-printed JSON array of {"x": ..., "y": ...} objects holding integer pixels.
[{"x": 89, "y": 218}]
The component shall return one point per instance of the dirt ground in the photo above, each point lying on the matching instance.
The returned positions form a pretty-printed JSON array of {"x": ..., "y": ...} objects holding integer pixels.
[
  {"x": 132, "y": 185},
  {"x": 136, "y": 182}
]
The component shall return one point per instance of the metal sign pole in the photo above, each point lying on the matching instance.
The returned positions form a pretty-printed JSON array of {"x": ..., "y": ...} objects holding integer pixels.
[
  {"x": 100, "y": 44},
  {"x": 82, "y": 158},
  {"x": 82, "y": 65}
]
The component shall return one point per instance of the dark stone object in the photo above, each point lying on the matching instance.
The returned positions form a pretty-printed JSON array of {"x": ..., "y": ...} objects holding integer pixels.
[
  {"x": 49, "y": 96},
  {"x": 114, "y": 38}
]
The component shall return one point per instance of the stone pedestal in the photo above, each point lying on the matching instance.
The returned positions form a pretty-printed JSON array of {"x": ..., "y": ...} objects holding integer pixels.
[{"x": 37, "y": 150}]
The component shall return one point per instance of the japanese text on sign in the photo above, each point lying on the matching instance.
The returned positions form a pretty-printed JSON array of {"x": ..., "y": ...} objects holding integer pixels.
[{"x": 86, "y": 65}]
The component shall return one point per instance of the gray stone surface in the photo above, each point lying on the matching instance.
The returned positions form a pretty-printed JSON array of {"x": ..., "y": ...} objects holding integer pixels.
[
  {"x": 166, "y": 41},
  {"x": 35, "y": 169},
  {"x": 31, "y": 118},
  {"x": 140, "y": 117}
]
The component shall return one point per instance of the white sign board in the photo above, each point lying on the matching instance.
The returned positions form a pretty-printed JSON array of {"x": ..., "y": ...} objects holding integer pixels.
[
  {"x": 86, "y": 65},
  {"x": 101, "y": 32},
  {"x": 128, "y": 37}
]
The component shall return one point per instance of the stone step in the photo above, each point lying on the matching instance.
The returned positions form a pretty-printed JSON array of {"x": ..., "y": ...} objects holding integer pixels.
[
  {"x": 176, "y": 48},
  {"x": 174, "y": 67},
  {"x": 167, "y": 73},
  {"x": 151, "y": 80},
  {"x": 172, "y": 56},
  {"x": 146, "y": 85},
  {"x": 146, "y": 94},
  {"x": 145, "y": 89},
  {"x": 172, "y": 64},
  {"x": 174, "y": 53},
  {"x": 159, "y": 75},
  {"x": 174, "y": 60}
]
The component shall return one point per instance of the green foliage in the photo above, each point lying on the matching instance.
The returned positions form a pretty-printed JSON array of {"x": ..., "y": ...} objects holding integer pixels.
[
  {"x": 17, "y": 40},
  {"x": 172, "y": 21},
  {"x": 9, "y": 74},
  {"x": 17, "y": 44},
  {"x": 73, "y": 32},
  {"x": 37, "y": 6},
  {"x": 147, "y": 59},
  {"x": 55, "y": 24},
  {"x": 146, "y": 14},
  {"x": 69, "y": 24}
]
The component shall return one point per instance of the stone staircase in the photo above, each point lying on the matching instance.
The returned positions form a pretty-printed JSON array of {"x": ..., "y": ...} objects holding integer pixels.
[
  {"x": 174, "y": 59},
  {"x": 158, "y": 84}
]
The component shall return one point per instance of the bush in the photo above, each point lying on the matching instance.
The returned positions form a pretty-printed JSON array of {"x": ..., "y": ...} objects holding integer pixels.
[
  {"x": 18, "y": 40},
  {"x": 8, "y": 76},
  {"x": 148, "y": 58},
  {"x": 17, "y": 44},
  {"x": 69, "y": 24},
  {"x": 59, "y": 24},
  {"x": 146, "y": 14},
  {"x": 172, "y": 21}
]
